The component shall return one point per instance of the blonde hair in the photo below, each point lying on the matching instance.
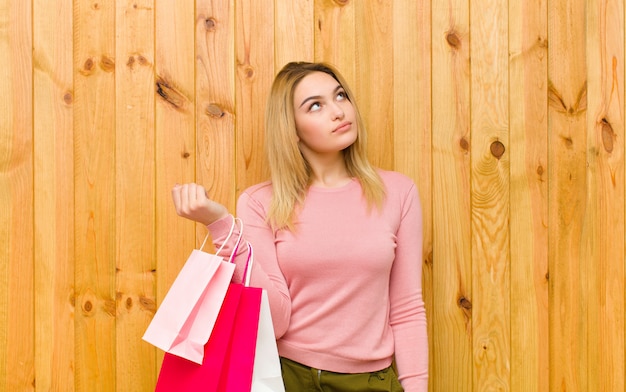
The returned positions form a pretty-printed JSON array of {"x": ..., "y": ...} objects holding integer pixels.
[{"x": 290, "y": 172}]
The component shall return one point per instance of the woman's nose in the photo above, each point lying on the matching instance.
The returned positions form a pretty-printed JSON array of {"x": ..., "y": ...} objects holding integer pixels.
[{"x": 338, "y": 112}]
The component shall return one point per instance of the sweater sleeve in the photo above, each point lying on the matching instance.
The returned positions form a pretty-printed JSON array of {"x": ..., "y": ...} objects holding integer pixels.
[
  {"x": 265, "y": 270},
  {"x": 407, "y": 314}
]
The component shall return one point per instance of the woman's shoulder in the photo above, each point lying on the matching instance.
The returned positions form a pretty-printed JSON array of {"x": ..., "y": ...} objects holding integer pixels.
[
  {"x": 261, "y": 192},
  {"x": 395, "y": 180}
]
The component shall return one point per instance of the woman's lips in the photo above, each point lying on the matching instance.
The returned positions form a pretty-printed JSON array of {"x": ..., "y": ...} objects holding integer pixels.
[{"x": 343, "y": 127}]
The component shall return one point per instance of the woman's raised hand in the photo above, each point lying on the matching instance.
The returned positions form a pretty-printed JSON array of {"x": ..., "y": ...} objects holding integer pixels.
[{"x": 191, "y": 202}]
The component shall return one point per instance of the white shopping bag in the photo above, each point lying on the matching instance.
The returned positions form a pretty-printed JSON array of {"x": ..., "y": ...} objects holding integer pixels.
[{"x": 267, "y": 375}]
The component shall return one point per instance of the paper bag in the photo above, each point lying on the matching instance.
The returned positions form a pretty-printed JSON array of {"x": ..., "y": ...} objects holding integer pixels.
[
  {"x": 228, "y": 355},
  {"x": 267, "y": 374},
  {"x": 184, "y": 320}
]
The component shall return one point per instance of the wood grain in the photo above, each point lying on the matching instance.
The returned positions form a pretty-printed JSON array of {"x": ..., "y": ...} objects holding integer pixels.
[
  {"x": 255, "y": 72},
  {"x": 215, "y": 105},
  {"x": 528, "y": 45},
  {"x": 567, "y": 111},
  {"x": 412, "y": 121},
  {"x": 451, "y": 361},
  {"x": 17, "y": 371},
  {"x": 509, "y": 116},
  {"x": 294, "y": 31},
  {"x": 53, "y": 137},
  {"x": 490, "y": 190},
  {"x": 134, "y": 192},
  {"x": 374, "y": 67},
  {"x": 603, "y": 246},
  {"x": 335, "y": 36},
  {"x": 175, "y": 143},
  {"x": 94, "y": 184}
]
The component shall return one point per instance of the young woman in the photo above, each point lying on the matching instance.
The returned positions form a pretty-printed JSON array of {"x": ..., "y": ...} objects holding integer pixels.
[{"x": 337, "y": 243}]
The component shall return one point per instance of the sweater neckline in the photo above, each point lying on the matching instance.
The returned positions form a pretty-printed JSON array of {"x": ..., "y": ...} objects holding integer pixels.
[{"x": 350, "y": 184}]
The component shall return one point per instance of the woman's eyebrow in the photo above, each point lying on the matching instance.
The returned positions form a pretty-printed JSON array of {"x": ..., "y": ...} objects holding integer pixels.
[{"x": 313, "y": 97}]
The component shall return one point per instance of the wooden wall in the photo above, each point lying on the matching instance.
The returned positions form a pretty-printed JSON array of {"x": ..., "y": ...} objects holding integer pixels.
[{"x": 508, "y": 115}]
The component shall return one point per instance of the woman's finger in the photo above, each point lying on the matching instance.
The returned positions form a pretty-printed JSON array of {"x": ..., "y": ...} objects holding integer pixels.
[
  {"x": 176, "y": 197},
  {"x": 200, "y": 193}
]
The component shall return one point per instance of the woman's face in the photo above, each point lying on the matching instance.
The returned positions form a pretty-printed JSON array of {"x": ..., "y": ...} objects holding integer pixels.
[{"x": 325, "y": 118}]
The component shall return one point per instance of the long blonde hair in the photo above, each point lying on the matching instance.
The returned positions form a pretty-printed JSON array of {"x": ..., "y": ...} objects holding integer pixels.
[{"x": 290, "y": 172}]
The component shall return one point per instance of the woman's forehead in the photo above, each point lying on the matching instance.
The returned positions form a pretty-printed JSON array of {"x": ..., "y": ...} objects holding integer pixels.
[{"x": 316, "y": 83}]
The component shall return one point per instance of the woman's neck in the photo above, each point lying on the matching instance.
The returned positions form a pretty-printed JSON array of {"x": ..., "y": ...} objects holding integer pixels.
[{"x": 329, "y": 175}]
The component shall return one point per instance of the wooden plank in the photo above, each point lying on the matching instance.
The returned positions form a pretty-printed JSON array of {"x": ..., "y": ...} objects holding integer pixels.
[
  {"x": 451, "y": 361},
  {"x": 175, "y": 24},
  {"x": 529, "y": 195},
  {"x": 335, "y": 36},
  {"x": 490, "y": 196},
  {"x": 94, "y": 144},
  {"x": 603, "y": 231},
  {"x": 412, "y": 120},
  {"x": 567, "y": 100},
  {"x": 54, "y": 196},
  {"x": 215, "y": 86},
  {"x": 255, "y": 72},
  {"x": 17, "y": 371},
  {"x": 134, "y": 192},
  {"x": 374, "y": 67},
  {"x": 294, "y": 31}
]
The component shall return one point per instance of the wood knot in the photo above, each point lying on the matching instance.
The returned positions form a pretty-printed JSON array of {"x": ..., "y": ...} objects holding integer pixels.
[
  {"x": 185, "y": 155},
  {"x": 129, "y": 303},
  {"x": 95, "y": 6},
  {"x": 68, "y": 98},
  {"x": 453, "y": 39},
  {"x": 569, "y": 142},
  {"x": 166, "y": 91},
  {"x": 428, "y": 261},
  {"x": 147, "y": 304},
  {"x": 540, "y": 170},
  {"x": 342, "y": 2},
  {"x": 107, "y": 64},
  {"x": 249, "y": 72},
  {"x": 607, "y": 135},
  {"x": 88, "y": 67},
  {"x": 464, "y": 144},
  {"x": 214, "y": 110},
  {"x": 87, "y": 307},
  {"x": 464, "y": 303},
  {"x": 210, "y": 24},
  {"x": 109, "y": 307},
  {"x": 142, "y": 60},
  {"x": 542, "y": 42},
  {"x": 497, "y": 149}
]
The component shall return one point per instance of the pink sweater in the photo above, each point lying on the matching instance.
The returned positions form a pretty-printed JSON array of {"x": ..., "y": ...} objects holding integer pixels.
[{"x": 344, "y": 288}]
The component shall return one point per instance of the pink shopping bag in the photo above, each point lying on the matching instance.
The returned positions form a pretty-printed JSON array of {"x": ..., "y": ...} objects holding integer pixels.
[
  {"x": 228, "y": 355},
  {"x": 184, "y": 320},
  {"x": 239, "y": 359}
]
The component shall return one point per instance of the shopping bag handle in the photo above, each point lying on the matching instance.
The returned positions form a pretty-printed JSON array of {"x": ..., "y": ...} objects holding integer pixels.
[
  {"x": 230, "y": 233},
  {"x": 248, "y": 271}
]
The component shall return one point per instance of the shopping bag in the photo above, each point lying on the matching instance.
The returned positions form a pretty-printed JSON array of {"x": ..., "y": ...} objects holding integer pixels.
[
  {"x": 267, "y": 374},
  {"x": 228, "y": 355},
  {"x": 238, "y": 364},
  {"x": 184, "y": 320}
]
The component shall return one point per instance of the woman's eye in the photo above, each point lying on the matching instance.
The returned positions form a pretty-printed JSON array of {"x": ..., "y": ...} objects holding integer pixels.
[
  {"x": 341, "y": 96},
  {"x": 314, "y": 106}
]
